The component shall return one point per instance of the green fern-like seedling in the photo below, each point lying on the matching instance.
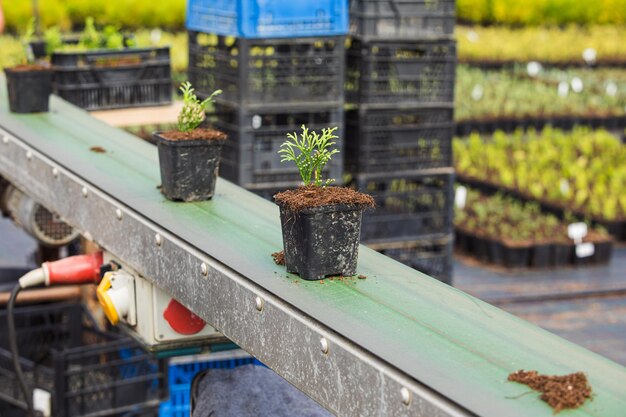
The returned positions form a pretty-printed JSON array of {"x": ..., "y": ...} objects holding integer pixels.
[
  {"x": 192, "y": 113},
  {"x": 310, "y": 152}
]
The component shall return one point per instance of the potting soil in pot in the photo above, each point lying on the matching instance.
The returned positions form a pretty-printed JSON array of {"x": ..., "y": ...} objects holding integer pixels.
[{"x": 314, "y": 196}]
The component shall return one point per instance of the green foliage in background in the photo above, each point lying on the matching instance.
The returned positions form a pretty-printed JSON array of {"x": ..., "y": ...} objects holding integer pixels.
[
  {"x": 498, "y": 94},
  {"x": 13, "y": 52},
  {"x": 71, "y": 14},
  {"x": 504, "y": 218},
  {"x": 539, "y": 12},
  {"x": 543, "y": 44},
  {"x": 582, "y": 171},
  {"x": 170, "y": 14}
]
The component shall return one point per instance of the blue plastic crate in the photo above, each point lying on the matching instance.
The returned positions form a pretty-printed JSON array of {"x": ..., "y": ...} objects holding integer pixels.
[
  {"x": 179, "y": 403},
  {"x": 268, "y": 19},
  {"x": 180, "y": 379}
]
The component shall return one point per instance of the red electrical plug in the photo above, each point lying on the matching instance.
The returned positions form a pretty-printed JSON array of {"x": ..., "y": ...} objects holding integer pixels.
[{"x": 80, "y": 269}]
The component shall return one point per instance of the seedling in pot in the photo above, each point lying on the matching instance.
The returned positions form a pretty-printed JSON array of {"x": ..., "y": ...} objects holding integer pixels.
[
  {"x": 29, "y": 84},
  {"x": 189, "y": 156},
  {"x": 310, "y": 153},
  {"x": 321, "y": 224}
]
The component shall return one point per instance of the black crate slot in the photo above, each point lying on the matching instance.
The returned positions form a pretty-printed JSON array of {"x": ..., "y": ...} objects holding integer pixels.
[
  {"x": 407, "y": 207},
  {"x": 411, "y": 73},
  {"x": 114, "y": 79},
  {"x": 265, "y": 72},
  {"x": 87, "y": 371},
  {"x": 380, "y": 141},
  {"x": 402, "y": 19},
  {"x": 250, "y": 155}
]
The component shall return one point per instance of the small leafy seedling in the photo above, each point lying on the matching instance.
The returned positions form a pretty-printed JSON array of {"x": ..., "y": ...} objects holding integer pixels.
[
  {"x": 53, "y": 39},
  {"x": 192, "y": 113},
  {"x": 26, "y": 38},
  {"x": 311, "y": 152}
]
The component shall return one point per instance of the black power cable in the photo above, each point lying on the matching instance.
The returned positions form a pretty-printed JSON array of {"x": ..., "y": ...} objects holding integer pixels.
[{"x": 14, "y": 352}]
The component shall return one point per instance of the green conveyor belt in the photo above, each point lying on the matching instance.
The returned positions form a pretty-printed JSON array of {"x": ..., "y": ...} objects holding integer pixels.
[{"x": 458, "y": 345}]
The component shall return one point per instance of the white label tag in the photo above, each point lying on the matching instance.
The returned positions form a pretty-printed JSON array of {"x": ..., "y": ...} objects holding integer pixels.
[
  {"x": 563, "y": 89},
  {"x": 477, "y": 92},
  {"x": 42, "y": 402},
  {"x": 577, "y": 85},
  {"x": 590, "y": 55},
  {"x": 584, "y": 250},
  {"x": 256, "y": 121},
  {"x": 577, "y": 231},
  {"x": 611, "y": 89},
  {"x": 533, "y": 68},
  {"x": 460, "y": 197}
]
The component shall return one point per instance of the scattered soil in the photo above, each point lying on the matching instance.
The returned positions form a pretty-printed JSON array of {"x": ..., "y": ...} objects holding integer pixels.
[
  {"x": 314, "y": 196},
  {"x": 97, "y": 149},
  {"x": 362, "y": 277},
  {"x": 279, "y": 257},
  {"x": 560, "y": 392},
  {"x": 29, "y": 67},
  {"x": 196, "y": 134}
]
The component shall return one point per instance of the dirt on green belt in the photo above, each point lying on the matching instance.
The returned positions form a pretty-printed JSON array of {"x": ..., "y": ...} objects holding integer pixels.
[
  {"x": 279, "y": 257},
  {"x": 560, "y": 392}
]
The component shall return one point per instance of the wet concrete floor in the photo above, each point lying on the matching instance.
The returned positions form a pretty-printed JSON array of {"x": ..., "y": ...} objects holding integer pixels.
[{"x": 586, "y": 305}]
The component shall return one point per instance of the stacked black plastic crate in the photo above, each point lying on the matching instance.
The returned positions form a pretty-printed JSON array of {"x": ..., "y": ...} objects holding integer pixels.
[
  {"x": 280, "y": 64},
  {"x": 400, "y": 89}
]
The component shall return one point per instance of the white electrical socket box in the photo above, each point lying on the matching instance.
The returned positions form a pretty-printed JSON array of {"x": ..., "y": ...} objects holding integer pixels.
[{"x": 144, "y": 305}]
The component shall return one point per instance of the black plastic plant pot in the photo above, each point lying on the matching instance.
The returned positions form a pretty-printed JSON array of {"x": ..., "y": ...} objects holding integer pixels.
[
  {"x": 603, "y": 252},
  {"x": 541, "y": 256},
  {"x": 561, "y": 254},
  {"x": 321, "y": 241},
  {"x": 516, "y": 256},
  {"x": 39, "y": 48},
  {"x": 495, "y": 252},
  {"x": 29, "y": 90},
  {"x": 460, "y": 239},
  {"x": 189, "y": 168},
  {"x": 480, "y": 248}
]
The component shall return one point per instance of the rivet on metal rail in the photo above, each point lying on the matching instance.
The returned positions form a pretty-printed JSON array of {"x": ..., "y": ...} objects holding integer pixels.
[
  {"x": 325, "y": 346},
  {"x": 406, "y": 396},
  {"x": 259, "y": 303},
  {"x": 204, "y": 269}
]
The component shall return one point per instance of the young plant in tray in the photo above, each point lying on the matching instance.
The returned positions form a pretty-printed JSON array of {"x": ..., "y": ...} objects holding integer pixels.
[
  {"x": 321, "y": 224},
  {"x": 30, "y": 83},
  {"x": 189, "y": 156}
]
